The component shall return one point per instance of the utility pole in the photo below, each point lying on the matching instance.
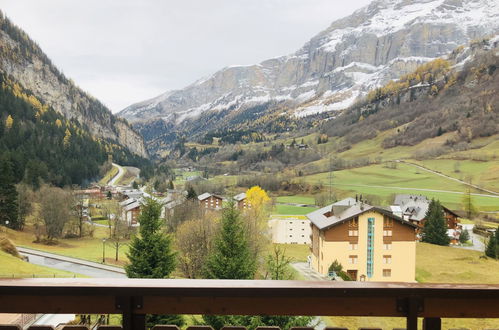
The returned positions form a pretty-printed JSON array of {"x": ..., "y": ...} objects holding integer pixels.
[{"x": 330, "y": 180}]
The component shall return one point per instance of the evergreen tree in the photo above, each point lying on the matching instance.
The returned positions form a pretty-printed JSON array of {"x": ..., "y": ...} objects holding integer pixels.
[
  {"x": 8, "y": 196},
  {"x": 151, "y": 255},
  {"x": 435, "y": 226},
  {"x": 191, "y": 193},
  {"x": 497, "y": 242},
  {"x": 491, "y": 249},
  {"x": 231, "y": 257},
  {"x": 464, "y": 237}
]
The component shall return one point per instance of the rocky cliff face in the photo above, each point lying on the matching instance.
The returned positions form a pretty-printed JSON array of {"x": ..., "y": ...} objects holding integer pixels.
[
  {"x": 24, "y": 62},
  {"x": 377, "y": 43}
]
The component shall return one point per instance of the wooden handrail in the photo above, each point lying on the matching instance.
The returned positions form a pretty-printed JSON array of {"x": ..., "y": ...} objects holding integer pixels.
[{"x": 246, "y": 297}]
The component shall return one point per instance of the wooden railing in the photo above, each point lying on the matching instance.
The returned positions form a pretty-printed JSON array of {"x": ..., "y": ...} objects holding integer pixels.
[{"x": 133, "y": 298}]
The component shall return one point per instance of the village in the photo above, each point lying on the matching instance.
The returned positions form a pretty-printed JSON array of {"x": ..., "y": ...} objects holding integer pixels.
[{"x": 372, "y": 243}]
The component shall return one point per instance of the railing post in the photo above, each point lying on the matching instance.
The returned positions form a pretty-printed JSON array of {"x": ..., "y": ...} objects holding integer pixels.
[
  {"x": 411, "y": 307},
  {"x": 412, "y": 313},
  {"x": 131, "y": 320},
  {"x": 432, "y": 323}
]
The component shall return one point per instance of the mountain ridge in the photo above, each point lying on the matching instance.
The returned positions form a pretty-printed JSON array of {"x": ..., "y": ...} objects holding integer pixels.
[
  {"x": 23, "y": 60},
  {"x": 375, "y": 44}
]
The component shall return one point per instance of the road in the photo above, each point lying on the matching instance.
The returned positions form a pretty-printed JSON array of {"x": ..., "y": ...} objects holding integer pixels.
[
  {"x": 449, "y": 177},
  {"x": 83, "y": 267},
  {"x": 307, "y": 272},
  {"x": 121, "y": 172}
]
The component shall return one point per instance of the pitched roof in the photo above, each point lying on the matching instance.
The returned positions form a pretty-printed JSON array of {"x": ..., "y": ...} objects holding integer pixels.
[
  {"x": 240, "y": 197},
  {"x": 344, "y": 210},
  {"x": 127, "y": 201},
  {"x": 204, "y": 196},
  {"x": 413, "y": 206},
  {"x": 132, "y": 206}
]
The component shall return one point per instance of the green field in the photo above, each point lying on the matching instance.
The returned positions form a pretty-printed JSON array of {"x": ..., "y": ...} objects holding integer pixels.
[
  {"x": 291, "y": 210},
  {"x": 88, "y": 248},
  {"x": 383, "y": 182},
  {"x": 297, "y": 252},
  {"x": 483, "y": 174},
  {"x": 296, "y": 199}
]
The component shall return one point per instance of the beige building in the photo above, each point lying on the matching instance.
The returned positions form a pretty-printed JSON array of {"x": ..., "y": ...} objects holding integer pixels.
[
  {"x": 371, "y": 243},
  {"x": 290, "y": 230}
]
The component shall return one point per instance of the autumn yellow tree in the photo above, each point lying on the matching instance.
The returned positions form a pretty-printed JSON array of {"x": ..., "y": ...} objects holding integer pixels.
[
  {"x": 9, "y": 122},
  {"x": 58, "y": 123},
  {"x": 67, "y": 138},
  {"x": 256, "y": 216}
]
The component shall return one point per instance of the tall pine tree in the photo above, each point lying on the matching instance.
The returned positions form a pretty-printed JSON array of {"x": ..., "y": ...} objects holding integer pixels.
[
  {"x": 151, "y": 255},
  {"x": 492, "y": 249},
  {"x": 231, "y": 258},
  {"x": 8, "y": 196},
  {"x": 435, "y": 226}
]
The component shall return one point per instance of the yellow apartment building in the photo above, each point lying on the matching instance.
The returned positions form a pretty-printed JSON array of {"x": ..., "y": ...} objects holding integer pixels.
[{"x": 371, "y": 243}]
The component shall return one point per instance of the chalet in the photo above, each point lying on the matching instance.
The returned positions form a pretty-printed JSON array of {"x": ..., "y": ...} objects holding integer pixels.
[
  {"x": 414, "y": 207},
  {"x": 210, "y": 201},
  {"x": 242, "y": 202},
  {"x": 370, "y": 242},
  {"x": 130, "y": 211}
]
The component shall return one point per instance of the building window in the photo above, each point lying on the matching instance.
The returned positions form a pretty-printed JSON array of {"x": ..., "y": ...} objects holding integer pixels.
[
  {"x": 387, "y": 246},
  {"x": 387, "y": 233},
  {"x": 353, "y": 246},
  {"x": 387, "y": 259},
  {"x": 352, "y": 259},
  {"x": 387, "y": 272},
  {"x": 353, "y": 233},
  {"x": 387, "y": 222},
  {"x": 353, "y": 223}
]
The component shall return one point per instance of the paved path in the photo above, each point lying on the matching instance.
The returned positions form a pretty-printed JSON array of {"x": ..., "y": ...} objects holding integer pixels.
[
  {"x": 449, "y": 177},
  {"x": 79, "y": 266},
  {"x": 477, "y": 240},
  {"x": 307, "y": 272},
  {"x": 118, "y": 176}
]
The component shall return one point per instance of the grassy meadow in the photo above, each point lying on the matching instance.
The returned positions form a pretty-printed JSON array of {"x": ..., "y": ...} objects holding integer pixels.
[
  {"x": 88, "y": 248},
  {"x": 13, "y": 267}
]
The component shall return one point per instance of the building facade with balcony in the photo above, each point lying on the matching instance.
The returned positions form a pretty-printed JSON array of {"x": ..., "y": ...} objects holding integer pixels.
[{"x": 371, "y": 243}]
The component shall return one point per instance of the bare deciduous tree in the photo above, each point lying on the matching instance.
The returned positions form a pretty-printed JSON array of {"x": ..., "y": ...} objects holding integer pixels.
[
  {"x": 55, "y": 210},
  {"x": 194, "y": 240}
]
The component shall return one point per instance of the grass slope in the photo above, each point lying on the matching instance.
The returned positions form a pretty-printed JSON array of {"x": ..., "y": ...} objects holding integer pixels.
[
  {"x": 15, "y": 267},
  {"x": 109, "y": 175},
  {"x": 88, "y": 248},
  {"x": 387, "y": 181}
]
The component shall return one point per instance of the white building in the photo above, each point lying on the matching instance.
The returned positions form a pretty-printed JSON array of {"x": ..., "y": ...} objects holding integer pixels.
[{"x": 290, "y": 230}]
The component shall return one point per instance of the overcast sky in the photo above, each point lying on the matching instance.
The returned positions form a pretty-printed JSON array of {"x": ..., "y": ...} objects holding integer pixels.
[{"x": 124, "y": 51}]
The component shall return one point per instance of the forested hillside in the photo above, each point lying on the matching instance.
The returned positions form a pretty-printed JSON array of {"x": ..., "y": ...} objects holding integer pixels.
[
  {"x": 435, "y": 99},
  {"x": 44, "y": 146},
  {"x": 25, "y": 63}
]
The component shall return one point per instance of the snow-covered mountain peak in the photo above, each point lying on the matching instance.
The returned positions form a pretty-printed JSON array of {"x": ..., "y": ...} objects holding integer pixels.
[{"x": 379, "y": 42}]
